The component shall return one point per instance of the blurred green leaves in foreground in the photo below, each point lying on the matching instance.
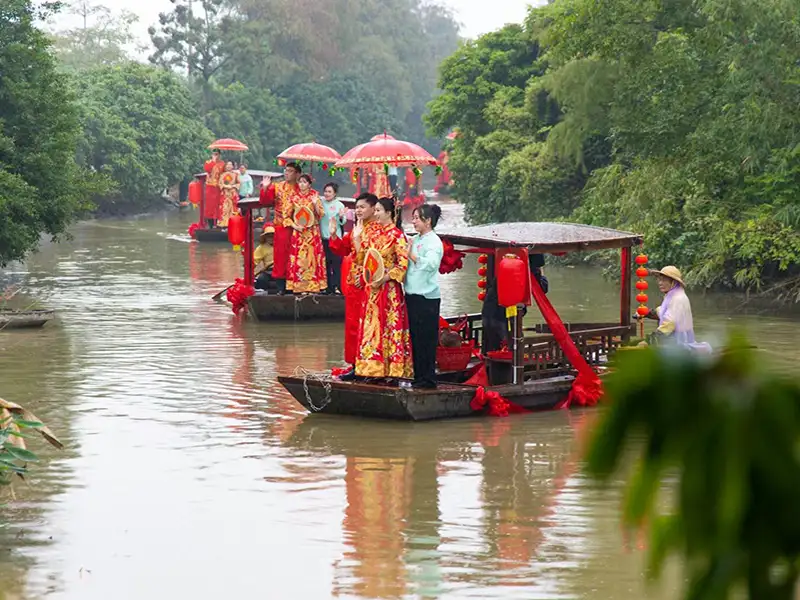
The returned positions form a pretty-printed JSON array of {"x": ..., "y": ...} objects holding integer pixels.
[{"x": 726, "y": 432}]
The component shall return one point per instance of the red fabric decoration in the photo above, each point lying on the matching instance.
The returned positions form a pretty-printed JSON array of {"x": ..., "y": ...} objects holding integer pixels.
[
  {"x": 238, "y": 295},
  {"x": 443, "y": 324},
  {"x": 452, "y": 259},
  {"x": 339, "y": 371},
  {"x": 587, "y": 388},
  {"x": 498, "y": 406},
  {"x": 192, "y": 228},
  {"x": 478, "y": 377}
]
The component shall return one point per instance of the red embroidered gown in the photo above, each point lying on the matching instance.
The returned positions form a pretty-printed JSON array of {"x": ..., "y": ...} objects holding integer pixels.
[
  {"x": 306, "y": 273},
  {"x": 384, "y": 341},
  {"x": 214, "y": 170},
  {"x": 277, "y": 195}
]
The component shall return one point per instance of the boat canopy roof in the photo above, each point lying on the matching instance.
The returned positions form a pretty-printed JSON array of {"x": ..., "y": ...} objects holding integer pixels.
[{"x": 541, "y": 237}]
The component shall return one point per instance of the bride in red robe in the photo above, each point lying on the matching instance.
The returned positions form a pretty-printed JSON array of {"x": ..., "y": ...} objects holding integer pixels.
[
  {"x": 306, "y": 273},
  {"x": 384, "y": 341}
]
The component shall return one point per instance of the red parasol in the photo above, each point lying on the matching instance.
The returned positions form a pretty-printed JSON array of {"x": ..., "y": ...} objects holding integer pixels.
[
  {"x": 386, "y": 150},
  {"x": 381, "y": 136},
  {"x": 228, "y": 144},
  {"x": 311, "y": 152}
]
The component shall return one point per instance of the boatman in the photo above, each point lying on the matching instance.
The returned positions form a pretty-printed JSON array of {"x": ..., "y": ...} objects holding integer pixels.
[
  {"x": 674, "y": 315},
  {"x": 277, "y": 195},
  {"x": 214, "y": 167}
]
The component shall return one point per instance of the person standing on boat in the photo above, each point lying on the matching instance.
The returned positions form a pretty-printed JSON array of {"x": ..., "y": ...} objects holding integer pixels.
[
  {"x": 331, "y": 224},
  {"x": 384, "y": 342},
  {"x": 423, "y": 296},
  {"x": 245, "y": 182},
  {"x": 306, "y": 272},
  {"x": 263, "y": 258},
  {"x": 229, "y": 191},
  {"x": 214, "y": 167},
  {"x": 674, "y": 315},
  {"x": 277, "y": 195},
  {"x": 352, "y": 283}
]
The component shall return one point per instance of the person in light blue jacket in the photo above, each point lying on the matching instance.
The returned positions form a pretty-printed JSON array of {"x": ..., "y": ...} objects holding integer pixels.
[
  {"x": 331, "y": 225},
  {"x": 423, "y": 297},
  {"x": 245, "y": 182}
]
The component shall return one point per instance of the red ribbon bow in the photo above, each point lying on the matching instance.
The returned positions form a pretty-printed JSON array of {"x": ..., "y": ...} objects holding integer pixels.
[{"x": 238, "y": 295}]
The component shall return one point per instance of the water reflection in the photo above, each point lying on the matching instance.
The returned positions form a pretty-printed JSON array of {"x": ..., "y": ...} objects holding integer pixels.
[{"x": 190, "y": 473}]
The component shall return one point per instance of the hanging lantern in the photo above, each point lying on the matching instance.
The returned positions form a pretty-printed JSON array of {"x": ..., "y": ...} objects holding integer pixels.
[
  {"x": 482, "y": 271},
  {"x": 482, "y": 296},
  {"x": 641, "y": 285},
  {"x": 512, "y": 273},
  {"x": 482, "y": 284},
  {"x": 195, "y": 190},
  {"x": 483, "y": 259},
  {"x": 236, "y": 231}
]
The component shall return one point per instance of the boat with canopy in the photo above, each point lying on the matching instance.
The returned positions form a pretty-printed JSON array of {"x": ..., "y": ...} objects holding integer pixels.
[{"x": 548, "y": 364}]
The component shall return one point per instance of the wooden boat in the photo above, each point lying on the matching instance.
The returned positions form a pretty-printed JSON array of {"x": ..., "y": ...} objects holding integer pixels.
[
  {"x": 534, "y": 375},
  {"x": 319, "y": 307},
  {"x": 24, "y": 319}
]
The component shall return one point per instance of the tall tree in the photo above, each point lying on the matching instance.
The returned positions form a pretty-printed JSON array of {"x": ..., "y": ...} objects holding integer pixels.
[
  {"x": 192, "y": 37},
  {"x": 102, "y": 38},
  {"x": 41, "y": 187}
]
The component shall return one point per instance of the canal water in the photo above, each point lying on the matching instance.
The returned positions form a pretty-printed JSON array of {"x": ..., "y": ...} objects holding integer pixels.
[{"x": 189, "y": 473}]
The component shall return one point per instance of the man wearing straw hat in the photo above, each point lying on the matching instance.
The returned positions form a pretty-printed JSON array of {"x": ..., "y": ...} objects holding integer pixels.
[{"x": 674, "y": 316}]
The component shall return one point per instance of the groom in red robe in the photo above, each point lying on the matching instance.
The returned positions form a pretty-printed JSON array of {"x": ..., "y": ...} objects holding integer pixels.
[
  {"x": 352, "y": 287},
  {"x": 278, "y": 196}
]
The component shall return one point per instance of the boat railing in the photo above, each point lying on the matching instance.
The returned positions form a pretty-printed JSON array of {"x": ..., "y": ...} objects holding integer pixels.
[{"x": 594, "y": 344}]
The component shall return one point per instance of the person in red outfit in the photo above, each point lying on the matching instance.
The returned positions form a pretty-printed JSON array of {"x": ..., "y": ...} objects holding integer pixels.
[
  {"x": 214, "y": 167},
  {"x": 352, "y": 283},
  {"x": 278, "y": 196}
]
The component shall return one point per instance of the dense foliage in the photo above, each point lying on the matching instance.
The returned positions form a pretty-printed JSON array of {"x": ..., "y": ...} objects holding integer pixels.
[
  {"x": 41, "y": 187},
  {"x": 725, "y": 431},
  {"x": 680, "y": 120},
  {"x": 141, "y": 129}
]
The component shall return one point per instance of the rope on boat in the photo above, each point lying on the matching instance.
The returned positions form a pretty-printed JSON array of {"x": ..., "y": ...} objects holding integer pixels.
[
  {"x": 299, "y": 299},
  {"x": 323, "y": 379}
]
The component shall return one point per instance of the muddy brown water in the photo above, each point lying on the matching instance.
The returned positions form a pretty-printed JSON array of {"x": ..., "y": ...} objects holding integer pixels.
[{"x": 189, "y": 473}]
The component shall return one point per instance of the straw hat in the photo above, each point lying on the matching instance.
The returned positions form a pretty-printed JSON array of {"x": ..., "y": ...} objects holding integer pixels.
[
  {"x": 670, "y": 272},
  {"x": 268, "y": 230}
]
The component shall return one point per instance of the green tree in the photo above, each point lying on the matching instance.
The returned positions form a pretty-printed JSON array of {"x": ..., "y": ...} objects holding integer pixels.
[
  {"x": 725, "y": 431},
  {"x": 142, "y": 129},
  {"x": 41, "y": 187}
]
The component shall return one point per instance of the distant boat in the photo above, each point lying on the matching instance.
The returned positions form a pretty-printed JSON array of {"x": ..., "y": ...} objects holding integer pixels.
[{"x": 24, "y": 319}]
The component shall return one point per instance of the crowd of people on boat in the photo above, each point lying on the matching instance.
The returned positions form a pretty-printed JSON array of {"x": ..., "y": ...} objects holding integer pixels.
[
  {"x": 391, "y": 285},
  {"x": 226, "y": 182}
]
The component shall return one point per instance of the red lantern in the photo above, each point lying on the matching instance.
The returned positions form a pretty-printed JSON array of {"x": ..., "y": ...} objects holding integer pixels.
[
  {"x": 641, "y": 285},
  {"x": 236, "y": 231},
  {"x": 642, "y": 311},
  {"x": 482, "y": 271},
  {"x": 641, "y": 259},
  {"x": 642, "y": 272},
  {"x": 195, "y": 191},
  {"x": 482, "y": 296},
  {"x": 482, "y": 284},
  {"x": 641, "y": 298},
  {"x": 483, "y": 259},
  {"x": 512, "y": 273}
]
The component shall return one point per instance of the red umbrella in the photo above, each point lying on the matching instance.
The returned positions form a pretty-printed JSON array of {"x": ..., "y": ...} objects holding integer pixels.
[
  {"x": 381, "y": 136},
  {"x": 311, "y": 152},
  {"x": 228, "y": 144},
  {"x": 386, "y": 150}
]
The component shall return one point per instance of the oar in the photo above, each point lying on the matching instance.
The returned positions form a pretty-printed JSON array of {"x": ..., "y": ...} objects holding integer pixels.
[{"x": 219, "y": 295}]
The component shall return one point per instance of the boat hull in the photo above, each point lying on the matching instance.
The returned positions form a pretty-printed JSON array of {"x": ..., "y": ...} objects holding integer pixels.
[
  {"x": 329, "y": 396},
  {"x": 272, "y": 307},
  {"x": 24, "y": 319},
  {"x": 217, "y": 235}
]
